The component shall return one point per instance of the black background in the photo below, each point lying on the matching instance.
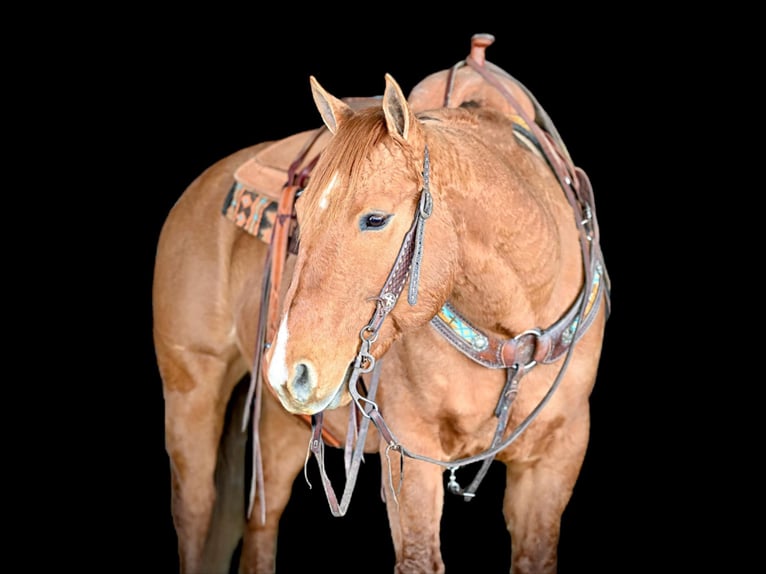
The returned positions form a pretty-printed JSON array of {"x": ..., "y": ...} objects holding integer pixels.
[{"x": 168, "y": 96}]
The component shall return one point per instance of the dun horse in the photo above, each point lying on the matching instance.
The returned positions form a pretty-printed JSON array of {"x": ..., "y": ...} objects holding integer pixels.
[{"x": 463, "y": 197}]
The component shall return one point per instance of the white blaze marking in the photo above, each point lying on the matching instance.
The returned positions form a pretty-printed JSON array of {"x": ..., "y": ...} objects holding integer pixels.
[
  {"x": 278, "y": 365},
  {"x": 327, "y": 190}
]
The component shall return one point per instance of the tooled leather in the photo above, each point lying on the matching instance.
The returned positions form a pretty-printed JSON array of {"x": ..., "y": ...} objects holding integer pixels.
[{"x": 546, "y": 347}]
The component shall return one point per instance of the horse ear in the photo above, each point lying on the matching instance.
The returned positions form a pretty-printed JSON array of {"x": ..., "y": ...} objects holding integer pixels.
[
  {"x": 332, "y": 109},
  {"x": 399, "y": 117}
]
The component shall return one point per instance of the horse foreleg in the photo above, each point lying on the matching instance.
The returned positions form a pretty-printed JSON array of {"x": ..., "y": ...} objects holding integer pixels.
[
  {"x": 196, "y": 389},
  {"x": 537, "y": 492},
  {"x": 284, "y": 439},
  {"x": 414, "y": 509}
]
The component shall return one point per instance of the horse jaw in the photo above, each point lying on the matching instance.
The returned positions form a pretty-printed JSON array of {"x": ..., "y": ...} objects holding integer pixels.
[{"x": 297, "y": 386}]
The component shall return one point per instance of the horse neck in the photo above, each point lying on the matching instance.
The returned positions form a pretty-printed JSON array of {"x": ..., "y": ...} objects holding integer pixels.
[{"x": 519, "y": 263}]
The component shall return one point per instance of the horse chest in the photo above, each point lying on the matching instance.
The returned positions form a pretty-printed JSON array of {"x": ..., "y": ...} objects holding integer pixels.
[
  {"x": 464, "y": 435},
  {"x": 464, "y": 421}
]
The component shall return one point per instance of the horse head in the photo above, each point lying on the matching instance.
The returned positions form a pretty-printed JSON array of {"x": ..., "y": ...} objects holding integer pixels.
[{"x": 361, "y": 223}]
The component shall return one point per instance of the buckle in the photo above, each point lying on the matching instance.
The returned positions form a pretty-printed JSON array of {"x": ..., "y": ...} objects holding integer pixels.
[{"x": 526, "y": 347}]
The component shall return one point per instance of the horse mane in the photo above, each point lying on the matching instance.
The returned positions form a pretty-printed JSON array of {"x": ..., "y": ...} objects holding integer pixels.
[{"x": 347, "y": 150}]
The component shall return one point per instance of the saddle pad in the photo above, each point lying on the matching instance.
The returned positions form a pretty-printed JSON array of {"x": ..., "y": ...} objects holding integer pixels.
[
  {"x": 251, "y": 203},
  {"x": 250, "y": 210}
]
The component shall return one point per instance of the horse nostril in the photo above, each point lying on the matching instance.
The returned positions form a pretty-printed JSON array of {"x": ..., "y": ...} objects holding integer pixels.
[{"x": 301, "y": 385}]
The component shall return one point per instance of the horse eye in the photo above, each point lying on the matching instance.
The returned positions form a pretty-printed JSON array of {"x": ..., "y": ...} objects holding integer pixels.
[{"x": 374, "y": 221}]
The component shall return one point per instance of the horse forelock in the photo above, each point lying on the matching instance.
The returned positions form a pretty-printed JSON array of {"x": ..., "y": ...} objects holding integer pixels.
[{"x": 336, "y": 177}]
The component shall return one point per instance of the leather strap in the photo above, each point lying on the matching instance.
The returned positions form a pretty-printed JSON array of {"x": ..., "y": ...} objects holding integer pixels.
[
  {"x": 268, "y": 315},
  {"x": 541, "y": 346},
  {"x": 502, "y": 412},
  {"x": 352, "y": 461}
]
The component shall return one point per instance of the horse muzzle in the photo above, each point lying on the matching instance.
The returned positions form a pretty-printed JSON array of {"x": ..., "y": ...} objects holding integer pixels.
[{"x": 301, "y": 393}]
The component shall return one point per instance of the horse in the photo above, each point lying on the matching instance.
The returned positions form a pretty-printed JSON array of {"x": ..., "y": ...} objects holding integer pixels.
[
  {"x": 505, "y": 288},
  {"x": 221, "y": 290}
]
